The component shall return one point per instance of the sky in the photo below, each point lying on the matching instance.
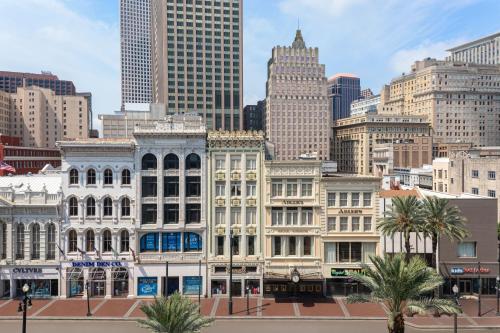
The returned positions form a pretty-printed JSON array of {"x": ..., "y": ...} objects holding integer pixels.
[{"x": 377, "y": 40}]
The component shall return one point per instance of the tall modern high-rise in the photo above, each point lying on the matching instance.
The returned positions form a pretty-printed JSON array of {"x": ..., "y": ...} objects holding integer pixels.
[
  {"x": 186, "y": 54},
  {"x": 343, "y": 89},
  {"x": 297, "y": 116},
  {"x": 135, "y": 47}
]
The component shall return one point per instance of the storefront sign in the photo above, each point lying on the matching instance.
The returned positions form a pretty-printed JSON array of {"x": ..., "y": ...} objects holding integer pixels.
[
  {"x": 147, "y": 286},
  {"x": 344, "y": 272},
  {"x": 97, "y": 264},
  {"x": 469, "y": 270},
  {"x": 27, "y": 270},
  {"x": 191, "y": 285},
  {"x": 350, "y": 211},
  {"x": 293, "y": 202}
]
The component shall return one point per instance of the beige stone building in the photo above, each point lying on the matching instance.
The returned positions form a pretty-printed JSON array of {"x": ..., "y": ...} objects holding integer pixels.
[
  {"x": 440, "y": 174},
  {"x": 40, "y": 117},
  {"x": 354, "y": 138},
  {"x": 292, "y": 232},
  {"x": 349, "y": 205},
  {"x": 4, "y": 113},
  {"x": 297, "y": 113},
  {"x": 460, "y": 100},
  {"x": 440, "y": 149}
]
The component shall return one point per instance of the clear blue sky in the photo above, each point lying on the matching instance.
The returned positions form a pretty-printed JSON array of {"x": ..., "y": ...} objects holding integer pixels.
[{"x": 375, "y": 39}]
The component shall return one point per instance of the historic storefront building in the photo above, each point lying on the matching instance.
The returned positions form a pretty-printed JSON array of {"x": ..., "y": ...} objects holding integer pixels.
[
  {"x": 348, "y": 229},
  {"x": 235, "y": 178},
  {"x": 29, "y": 235},
  {"x": 171, "y": 163},
  {"x": 98, "y": 228},
  {"x": 292, "y": 233}
]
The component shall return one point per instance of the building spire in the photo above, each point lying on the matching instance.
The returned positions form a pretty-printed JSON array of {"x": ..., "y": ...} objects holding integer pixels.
[{"x": 298, "y": 43}]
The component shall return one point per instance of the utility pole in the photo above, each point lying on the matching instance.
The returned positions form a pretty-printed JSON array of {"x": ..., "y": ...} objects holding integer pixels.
[
  {"x": 166, "y": 279},
  {"x": 230, "y": 304}
]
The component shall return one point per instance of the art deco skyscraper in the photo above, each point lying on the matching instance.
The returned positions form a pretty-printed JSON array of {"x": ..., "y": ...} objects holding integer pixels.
[
  {"x": 297, "y": 115},
  {"x": 135, "y": 48}
]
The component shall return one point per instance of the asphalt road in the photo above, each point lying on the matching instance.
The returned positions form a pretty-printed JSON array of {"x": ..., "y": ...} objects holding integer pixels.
[{"x": 220, "y": 326}]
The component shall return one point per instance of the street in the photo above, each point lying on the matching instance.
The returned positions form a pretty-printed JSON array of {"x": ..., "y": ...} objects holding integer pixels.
[{"x": 220, "y": 326}]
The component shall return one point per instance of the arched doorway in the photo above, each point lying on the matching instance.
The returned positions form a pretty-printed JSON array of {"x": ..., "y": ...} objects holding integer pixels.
[
  {"x": 97, "y": 280},
  {"x": 74, "y": 277},
  {"x": 119, "y": 281}
]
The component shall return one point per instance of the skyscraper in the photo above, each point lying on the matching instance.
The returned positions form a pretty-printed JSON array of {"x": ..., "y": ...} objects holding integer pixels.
[
  {"x": 343, "y": 89},
  {"x": 297, "y": 116},
  {"x": 187, "y": 55},
  {"x": 135, "y": 47}
]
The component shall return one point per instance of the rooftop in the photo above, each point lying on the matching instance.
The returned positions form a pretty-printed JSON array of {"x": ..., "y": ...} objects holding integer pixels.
[
  {"x": 476, "y": 41},
  {"x": 51, "y": 183}
]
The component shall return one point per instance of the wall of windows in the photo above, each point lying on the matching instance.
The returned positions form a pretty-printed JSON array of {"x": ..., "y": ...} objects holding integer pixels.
[
  {"x": 171, "y": 242},
  {"x": 349, "y": 252},
  {"x": 285, "y": 246}
]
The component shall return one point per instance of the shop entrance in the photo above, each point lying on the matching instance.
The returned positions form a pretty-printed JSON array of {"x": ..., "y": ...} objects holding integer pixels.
[
  {"x": 97, "y": 278},
  {"x": 236, "y": 288},
  {"x": 119, "y": 278},
  {"x": 173, "y": 285},
  {"x": 465, "y": 286},
  {"x": 74, "y": 276}
]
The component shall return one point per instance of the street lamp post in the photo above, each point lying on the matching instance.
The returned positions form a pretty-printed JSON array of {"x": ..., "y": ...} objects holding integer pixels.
[
  {"x": 199, "y": 286},
  {"x": 498, "y": 282},
  {"x": 248, "y": 299},
  {"x": 88, "y": 299},
  {"x": 166, "y": 279},
  {"x": 455, "y": 319},
  {"x": 479, "y": 289},
  {"x": 24, "y": 304},
  {"x": 230, "y": 303}
]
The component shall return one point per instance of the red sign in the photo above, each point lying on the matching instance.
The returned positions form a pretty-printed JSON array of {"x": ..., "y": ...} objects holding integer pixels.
[{"x": 475, "y": 270}]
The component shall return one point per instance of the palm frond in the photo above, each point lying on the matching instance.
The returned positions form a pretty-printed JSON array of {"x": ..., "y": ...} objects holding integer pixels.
[{"x": 425, "y": 305}]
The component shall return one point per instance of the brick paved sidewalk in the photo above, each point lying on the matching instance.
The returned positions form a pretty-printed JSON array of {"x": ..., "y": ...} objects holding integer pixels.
[{"x": 325, "y": 308}]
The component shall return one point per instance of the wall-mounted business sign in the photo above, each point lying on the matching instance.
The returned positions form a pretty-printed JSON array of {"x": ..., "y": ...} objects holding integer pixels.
[
  {"x": 293, "y": 202},
  {"x": 97, "y": 264},
  {"x": 147, "y": 286},
  {"x": 469, "y": 270},
  {"x": 27, "y": 270},
  {"x": 344, "y": 272},
  {"x": 350, "y": 211}
]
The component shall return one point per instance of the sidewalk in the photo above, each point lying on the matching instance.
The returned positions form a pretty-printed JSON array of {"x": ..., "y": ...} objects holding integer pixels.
[{"x": 268, "y": 308}]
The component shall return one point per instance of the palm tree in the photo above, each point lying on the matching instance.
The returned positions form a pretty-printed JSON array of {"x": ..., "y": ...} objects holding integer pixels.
[
  {"x": 441, "y": 219},
  {"x": 177, "y": 314},
  {"x": 401, "y": 286},
  {"x": 404, "y": 217}
]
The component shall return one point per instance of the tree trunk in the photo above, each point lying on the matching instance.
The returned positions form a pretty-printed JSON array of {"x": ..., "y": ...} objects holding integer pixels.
[
  {"x": 407, "y": 248},
  {"x": 434, "y": 252},
  {"x": 398, "y": 325}
]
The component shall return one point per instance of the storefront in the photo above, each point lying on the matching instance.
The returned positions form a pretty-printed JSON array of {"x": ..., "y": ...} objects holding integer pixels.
[
  {"x": 182, "y": 278},
  {"x": 105, "y": 278},
  {"x": 470, "y": 278},
  {"x": 246, "y": 276},
  {"x": 293, "y": 285},
  {"x": 42, "y": 280},
  {"x": 341, "y": 284}
]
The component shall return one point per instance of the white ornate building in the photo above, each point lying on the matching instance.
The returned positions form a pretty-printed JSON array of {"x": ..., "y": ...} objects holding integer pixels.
[
  {"x": 29, "y": 234},
  {"x": 98, "y": 228}
]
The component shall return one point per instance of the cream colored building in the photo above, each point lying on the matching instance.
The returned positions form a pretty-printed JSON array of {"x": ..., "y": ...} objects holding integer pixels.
[
  {"x": 460, "y": 100},
  {"x": 297, "y": 113},
  {"x": 349, "y": 205},
  {"x": 235, "y": 201},
  {"x": 440, "y": 174},
  {"x": 4, "y": 113},
  {"x": 292, "y": 233},
  {"x": 484, "y": 50},
  {"x": 41, "y": 118},
  {"x": 355, "y": 137}
]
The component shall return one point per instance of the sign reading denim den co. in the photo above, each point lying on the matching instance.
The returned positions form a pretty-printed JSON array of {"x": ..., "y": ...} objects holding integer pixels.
[{"x": 97, "y": 264}]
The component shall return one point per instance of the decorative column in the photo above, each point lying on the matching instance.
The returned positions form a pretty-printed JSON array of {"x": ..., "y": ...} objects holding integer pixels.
[
  {"x": 43, "y": 242},
  {"x": 109, "y": 284},
  {"x": 182, "y": 188},
  {"x": 159, "y": 193},
  {"x": 27, "y": 242}
]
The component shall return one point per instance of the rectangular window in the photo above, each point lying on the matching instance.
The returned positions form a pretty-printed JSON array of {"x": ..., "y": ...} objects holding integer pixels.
[
  {"x": 149, "y": 187},
  {"x": 492, "y": 194},
  {"x": 467, "y": 250},
  {"x": 307, "y": 245},
  {"x": 171, "y": 186},
  {"x": 193, "y": 213},
  {"x": 475, "y": 173},
  {"x": 355, "y": 223},
  {"x": 171, "y": 213},
  {"x": 367, "y": 199},
  {"x": 332, "y": 199},
  {"x": 235, "y": 163},
  {"x": 251, "y": 217},
  {"x": 251, "y": 189},
  {"x": 193, "y": 186},
  {"x": 149, "y": 213},
  {"x": 235, "y": 216},
  {"x": 291, "y": 189},
  {"x": 475, "y": 190},
  {"x": 343, "y": 199},
  {"x": 220, "y": 245},
  {"x": 292, "y": 216},
  {"x": 355, "y": 199},
  {"x": 220, "y": 216},
  {"x": 356, "y": 252},
  {"x": 235, "y": 189},
  {"x": 236, "y": 245},
  {"x": 250, "y": 245},
  {"x": 330, "y": 253},
  {"x": 306, "y": 188},
  {"x": 292, "y": 246},
  {"x": 492, "y": 175},
  {"x": 331, "y": 224},
  {"x": 277, "y": 189},
  {"x": 307, "y": 216},
  {"x": 220, "y": 164},
  {"x": 171, "y": 242},
  {"x": 277, "y": 216},
  {"x": 344, "y": 252},
  {"x": 220, "y": 189},
  {"x": 368, "y": 251},
  {"x": 367, "y": 223},
  {"x": 277, "y": 245},
  {"x": 251, "y": 164},
  {"x": 344, "y": 224}
]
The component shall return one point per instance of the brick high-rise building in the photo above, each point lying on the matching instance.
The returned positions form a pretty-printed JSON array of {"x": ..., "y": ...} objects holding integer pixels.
[
  {"x": 10, "y": 81},
  {"x": 297, "y": 116}
]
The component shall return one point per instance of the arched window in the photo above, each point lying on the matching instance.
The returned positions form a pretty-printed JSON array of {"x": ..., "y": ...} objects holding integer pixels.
[
  {"x": 108, "y": 207},
  {"x": 149, "y": 242},
  {"x": 20, "y": 241},
  {"x": 106, "y": 241},
  {"x": 124, "y": 241},
  {"x": 51, "y": 241},
  {"x": 73, "y": 206},
  {"x": 126, "y": 177},
  {"x": 90, "y": 241},
  {"x": 149, "y": 162},
  {"x": 3, "y": 245},
  {"x": 91, "y": 179},
  {"x": 125, "y": 207},
  {"x": 90, "y": 206},
  {"x": 193, "y": 161},
  {"x": 72, "y": 241},
  {"x": 171, "y": 162},
  {"x": 108, "y": 177},
  {"x": 35, "y": 241},
  {"x": 73, "y": 177}
]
